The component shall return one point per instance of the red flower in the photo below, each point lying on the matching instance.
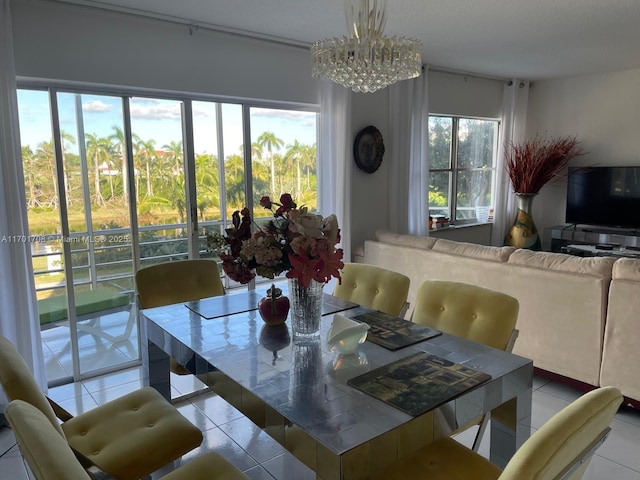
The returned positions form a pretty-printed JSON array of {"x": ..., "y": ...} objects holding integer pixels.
[
  {"x": 303, "y": 268},
  {"x": 286, "y": 204},
  {"x": 330, "y": 265},
  {"x": 295, "y": 241},
  {"x": 265, "y": 202}
]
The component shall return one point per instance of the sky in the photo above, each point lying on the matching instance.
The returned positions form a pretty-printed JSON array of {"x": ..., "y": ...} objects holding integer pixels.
[{"x": 159, "y": 120}]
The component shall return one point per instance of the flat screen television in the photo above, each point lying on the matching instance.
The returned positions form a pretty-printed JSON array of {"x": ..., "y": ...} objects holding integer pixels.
[{"x": 607, "y": 196}]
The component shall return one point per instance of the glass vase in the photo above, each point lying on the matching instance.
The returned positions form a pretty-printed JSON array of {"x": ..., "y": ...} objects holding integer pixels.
[
  {"x": 523, "y": 233},
  {"x": 306, "y": 308}
]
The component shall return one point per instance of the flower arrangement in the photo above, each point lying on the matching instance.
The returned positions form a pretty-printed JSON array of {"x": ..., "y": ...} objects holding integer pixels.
[
  {"x": 295, "y": 241},
  {"x": 533, "y": 163}
]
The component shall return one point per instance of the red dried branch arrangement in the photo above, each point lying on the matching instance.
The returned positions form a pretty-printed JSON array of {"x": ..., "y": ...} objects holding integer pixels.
[{"x": 535, "y": 162}]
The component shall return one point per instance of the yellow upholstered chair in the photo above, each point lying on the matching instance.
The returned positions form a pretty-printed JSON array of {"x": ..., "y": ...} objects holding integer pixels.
[
  {"x": 177, "y": 282},
  {"x": 128, "y": 437},
  {"x": 560, "y": 450},
  {"x": 374, "y": 287},
  {"x": 50, "y": 457},
  {"x": 468, "y": 311}
]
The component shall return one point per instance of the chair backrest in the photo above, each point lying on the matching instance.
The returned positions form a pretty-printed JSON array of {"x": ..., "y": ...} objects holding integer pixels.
[
  {"x": 19, "y": 384},
  {"x": 567, "y": 441},
  {"x": 476, "y": 313},
  {"x": 179, "y": 281},
  {"x": 47, "y": 452},
  {"x": 374, "y": 287}
]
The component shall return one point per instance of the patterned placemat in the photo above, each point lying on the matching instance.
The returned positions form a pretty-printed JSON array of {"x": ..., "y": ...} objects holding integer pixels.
[
  {"x": 394, "y": 332},
  {"x": 419, "y": 382}
]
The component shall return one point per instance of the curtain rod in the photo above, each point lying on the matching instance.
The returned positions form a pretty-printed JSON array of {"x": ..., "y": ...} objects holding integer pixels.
[
  {"x": 435, "y": 68},
  {"x": 192, "y": 25}
]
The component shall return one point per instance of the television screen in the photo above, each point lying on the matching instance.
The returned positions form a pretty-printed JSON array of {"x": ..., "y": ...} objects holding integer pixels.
[{"x": 607, "y": 196}]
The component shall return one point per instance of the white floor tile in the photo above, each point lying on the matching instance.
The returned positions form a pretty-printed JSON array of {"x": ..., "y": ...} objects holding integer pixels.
[
  {"x": 226, "y": 431},
  {"x": 601, "y": 468}
]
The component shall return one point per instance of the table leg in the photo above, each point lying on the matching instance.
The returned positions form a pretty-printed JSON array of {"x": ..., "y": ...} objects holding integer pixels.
[
  {"x": 155, "y": 362},
  {"x": 510, "y": 427}
]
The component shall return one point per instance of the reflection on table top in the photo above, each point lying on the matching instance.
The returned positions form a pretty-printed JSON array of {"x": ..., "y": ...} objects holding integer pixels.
[{"x": 308, "y": 385}]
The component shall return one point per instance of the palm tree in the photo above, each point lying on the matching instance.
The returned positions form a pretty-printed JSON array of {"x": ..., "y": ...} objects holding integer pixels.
[
  {"x": 119, "y": 144},
  {"x": 28, "y": 162},
  {"x": 269, "y": 140},
  {"x": 295, "y": 153},
  {"x": 309, "y": 162},
  {"x": 207, "y": 182},
  {"x": 175, "y": 153},
  {"x": 146, "y": 152},
  {"x": 99, "y": 150},
  {"x": 45, "y": 156},
  {"x": 66, "y": 137},
  {"x": 234, "y": 182}
]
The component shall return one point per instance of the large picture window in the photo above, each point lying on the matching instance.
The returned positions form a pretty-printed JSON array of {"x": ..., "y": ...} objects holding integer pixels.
[
  {"x": 116, "y": 181},
  {"x": 462, "y": 166}
]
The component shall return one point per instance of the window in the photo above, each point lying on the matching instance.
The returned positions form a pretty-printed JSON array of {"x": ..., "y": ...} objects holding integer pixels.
[
  {"x": 462, "y": 166},
  {"x": 116, "y": 181}
]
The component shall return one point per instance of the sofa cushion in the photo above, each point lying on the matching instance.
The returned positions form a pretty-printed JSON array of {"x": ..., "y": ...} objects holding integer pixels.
[
  {"x": 561, "y": 262},
  {"x": 386, "y": 236},
  {"x": 627, "y": 269},
  {"x": 622, "y": 330},
  {"x": 483, "y": 252}
]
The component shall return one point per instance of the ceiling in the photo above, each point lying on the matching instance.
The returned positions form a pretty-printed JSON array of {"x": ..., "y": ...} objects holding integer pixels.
[{"x": 528, "y": 39}]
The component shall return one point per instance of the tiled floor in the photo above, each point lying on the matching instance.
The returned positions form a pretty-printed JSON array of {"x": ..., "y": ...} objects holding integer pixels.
[
  {"x": 253, "y": 451},
  {"x": 261, "y": 458}
]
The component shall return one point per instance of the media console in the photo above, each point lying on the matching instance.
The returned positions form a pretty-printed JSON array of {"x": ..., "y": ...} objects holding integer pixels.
[{"x": 585, "y": 240}]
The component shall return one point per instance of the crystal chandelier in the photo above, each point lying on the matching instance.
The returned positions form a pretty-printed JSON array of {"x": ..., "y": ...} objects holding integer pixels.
[{"x": 367, "y": 60}]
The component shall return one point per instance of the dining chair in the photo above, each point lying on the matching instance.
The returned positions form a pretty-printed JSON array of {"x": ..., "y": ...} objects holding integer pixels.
[
  {"x": 560, "y": 450},
  {"x": 374, "y": 287},
  {"x": 50, "y": 457},
  {"x": 129, "y": 437},
  {"x": 468, "y": 311},
  {"x": 176, "y": 282}
]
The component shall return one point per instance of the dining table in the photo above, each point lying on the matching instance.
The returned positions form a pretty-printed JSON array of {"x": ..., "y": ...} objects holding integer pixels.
[{"x": 326, "y": 407}]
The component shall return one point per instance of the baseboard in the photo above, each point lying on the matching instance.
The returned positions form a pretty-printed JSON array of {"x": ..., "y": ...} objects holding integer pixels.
[{"x": 578, "y": 385}]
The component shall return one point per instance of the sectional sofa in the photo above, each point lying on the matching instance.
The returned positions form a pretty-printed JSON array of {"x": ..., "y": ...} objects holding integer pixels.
[{"x": 579, "y": 316}]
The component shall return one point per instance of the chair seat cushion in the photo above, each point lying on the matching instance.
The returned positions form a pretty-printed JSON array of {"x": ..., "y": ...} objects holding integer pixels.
[
  {"x": 209, "y": 466},
  {"x": 133, "y": 435},
  {"x": 54, "y": 309},
  {"x": 445, "y": 459}
]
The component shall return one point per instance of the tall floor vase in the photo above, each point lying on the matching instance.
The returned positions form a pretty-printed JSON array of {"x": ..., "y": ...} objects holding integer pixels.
[
  {"x": 523, "y": 233},
  {"x": 306, "y": 309}
]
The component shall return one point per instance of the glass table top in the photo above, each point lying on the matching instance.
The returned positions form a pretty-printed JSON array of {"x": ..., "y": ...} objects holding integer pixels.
[{"x": 307, "y": 384}]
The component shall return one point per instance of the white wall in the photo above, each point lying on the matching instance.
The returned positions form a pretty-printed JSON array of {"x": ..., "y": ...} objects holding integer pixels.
[
  {"x": 63, "y": 42},
  {"x": 602, "y": 110},
  {"x": 448, "y": 94},
  {"x": 71, "y": 43}
]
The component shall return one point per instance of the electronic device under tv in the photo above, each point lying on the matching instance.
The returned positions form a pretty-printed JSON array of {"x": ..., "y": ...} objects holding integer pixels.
[{"x": 604, "y": 196}]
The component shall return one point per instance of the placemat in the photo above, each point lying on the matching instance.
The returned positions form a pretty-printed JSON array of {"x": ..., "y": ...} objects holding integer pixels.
[
  {"x": 215, "y": 307},
  {"x": 394, "y": 332},
  {"x": 224, "y": 305},
  {"x": 419, "y": 382}
]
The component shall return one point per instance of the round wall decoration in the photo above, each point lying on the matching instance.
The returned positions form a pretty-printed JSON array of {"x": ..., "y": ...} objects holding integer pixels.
[{"x": 368, "y": 149}]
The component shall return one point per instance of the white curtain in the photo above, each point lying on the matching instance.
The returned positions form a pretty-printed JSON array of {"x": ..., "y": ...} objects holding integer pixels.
[
  {"x": 514, "y": 119},
  {"x": 334, "y": 158},
  {"x": 18, "y": 309},
  {"x": 408, "y": 166}
]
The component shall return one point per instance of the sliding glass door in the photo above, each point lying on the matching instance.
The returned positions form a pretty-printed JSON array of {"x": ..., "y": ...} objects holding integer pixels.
[{"x": 116, "y": 182}]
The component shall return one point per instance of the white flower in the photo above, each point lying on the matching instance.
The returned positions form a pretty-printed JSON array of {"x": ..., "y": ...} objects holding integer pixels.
[
  {"x": 331, "y": 229},
  {"x": 307, "y": 224}
]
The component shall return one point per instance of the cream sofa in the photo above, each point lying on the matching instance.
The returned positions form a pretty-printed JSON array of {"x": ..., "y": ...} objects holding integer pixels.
[{"x": 576, "y": 314}]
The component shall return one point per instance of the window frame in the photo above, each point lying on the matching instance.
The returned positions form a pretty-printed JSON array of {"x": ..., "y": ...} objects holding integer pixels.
[{"x": 454, "y": 170}]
